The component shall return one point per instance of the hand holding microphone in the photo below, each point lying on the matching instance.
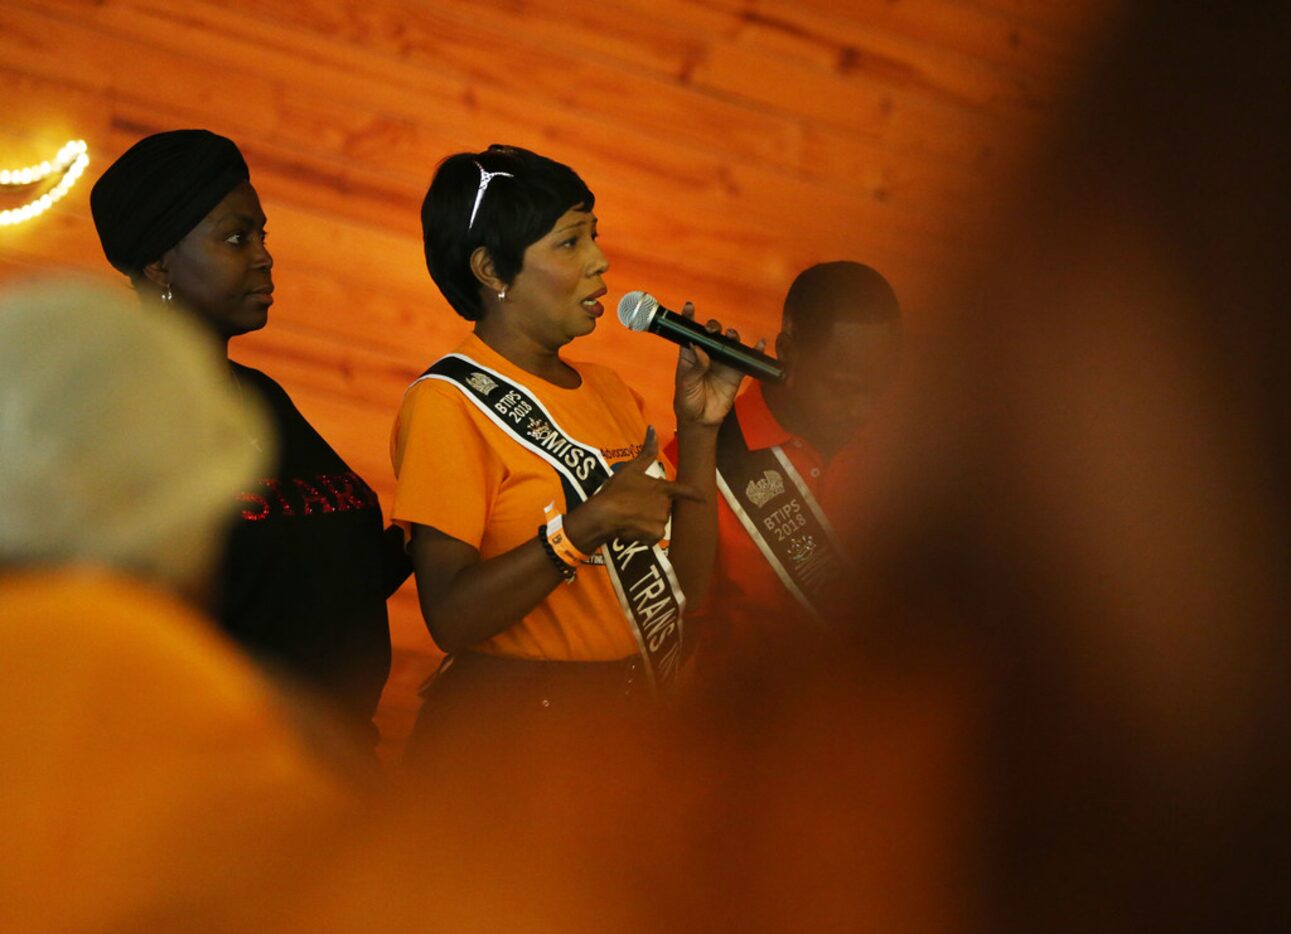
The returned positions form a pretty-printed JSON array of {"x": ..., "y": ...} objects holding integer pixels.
[{"x": 640, "y": 311}]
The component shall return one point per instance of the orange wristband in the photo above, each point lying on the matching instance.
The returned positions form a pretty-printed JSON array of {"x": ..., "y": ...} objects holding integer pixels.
[{"x": 565, "y": 550}]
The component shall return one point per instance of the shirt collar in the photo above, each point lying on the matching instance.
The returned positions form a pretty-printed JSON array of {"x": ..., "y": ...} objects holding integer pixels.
[{"x": 757, "y": 424}]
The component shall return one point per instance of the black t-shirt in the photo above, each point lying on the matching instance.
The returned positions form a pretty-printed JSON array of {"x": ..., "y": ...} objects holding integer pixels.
[{"x": 307, "y": 571}]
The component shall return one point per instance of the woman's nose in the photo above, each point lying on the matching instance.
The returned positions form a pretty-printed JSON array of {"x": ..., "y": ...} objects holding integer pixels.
[{"x": 600, "y": 263}]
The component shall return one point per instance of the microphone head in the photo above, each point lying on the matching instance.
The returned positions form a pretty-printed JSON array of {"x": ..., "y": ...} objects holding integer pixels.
[{"x": 637, "y": 310}]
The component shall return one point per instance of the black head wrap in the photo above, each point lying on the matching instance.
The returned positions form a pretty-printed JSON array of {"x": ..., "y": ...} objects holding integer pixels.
[{"x": 159, "y": 190}]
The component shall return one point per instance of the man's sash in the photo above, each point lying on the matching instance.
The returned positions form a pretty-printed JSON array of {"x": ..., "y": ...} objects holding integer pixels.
[
  {"x": 643, "y": 578},
  {"x": 772, "y": 502}
]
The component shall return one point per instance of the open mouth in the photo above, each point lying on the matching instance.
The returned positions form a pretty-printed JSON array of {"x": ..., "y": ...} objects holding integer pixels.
[{"x": 591, "y": 304}]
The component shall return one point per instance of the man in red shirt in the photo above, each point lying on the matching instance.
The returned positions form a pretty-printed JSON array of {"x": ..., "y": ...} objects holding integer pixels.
[{"x": 788, "y": 460}]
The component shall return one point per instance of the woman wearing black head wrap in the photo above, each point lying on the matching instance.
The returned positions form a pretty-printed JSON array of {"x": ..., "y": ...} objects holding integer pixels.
[{"x": 309, "y": 567}]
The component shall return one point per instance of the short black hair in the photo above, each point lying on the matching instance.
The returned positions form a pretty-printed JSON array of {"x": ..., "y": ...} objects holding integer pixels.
[
  {"x": 515, "y": 212},
  {"x": 839, "y": 291}
]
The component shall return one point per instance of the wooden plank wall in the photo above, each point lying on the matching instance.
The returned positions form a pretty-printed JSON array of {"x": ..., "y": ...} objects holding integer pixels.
[{"x": 730, "y": 143}]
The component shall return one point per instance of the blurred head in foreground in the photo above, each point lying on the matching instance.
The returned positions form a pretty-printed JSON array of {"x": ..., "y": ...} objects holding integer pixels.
[
  {"x": 1091, "y": 497},
  {"x": 122, "y": 442}
]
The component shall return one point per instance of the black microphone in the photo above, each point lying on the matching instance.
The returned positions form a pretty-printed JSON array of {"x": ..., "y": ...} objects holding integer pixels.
[{"x": 640, "y": 311}]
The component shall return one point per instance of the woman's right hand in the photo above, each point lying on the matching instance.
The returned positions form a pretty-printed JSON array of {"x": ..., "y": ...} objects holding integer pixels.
[{"x": 631, "y": 506}]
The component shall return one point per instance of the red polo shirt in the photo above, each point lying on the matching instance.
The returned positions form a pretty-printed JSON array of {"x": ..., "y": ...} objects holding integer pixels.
[{"x": 748, "y": 609}]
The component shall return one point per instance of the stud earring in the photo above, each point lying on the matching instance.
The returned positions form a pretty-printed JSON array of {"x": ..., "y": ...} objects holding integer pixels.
[
  {"x": 502, "y": 296},
  {"x": 167, "y": 296}
]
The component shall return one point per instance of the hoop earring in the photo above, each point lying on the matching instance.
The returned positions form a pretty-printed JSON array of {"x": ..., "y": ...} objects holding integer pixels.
[
  {"x": 502, "y": 296},
  {"x": 167, "y": 296}
]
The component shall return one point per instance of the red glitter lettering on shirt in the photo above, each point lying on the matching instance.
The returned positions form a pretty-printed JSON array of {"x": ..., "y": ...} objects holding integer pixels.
[
  {"x": 342, "y": 487},
  {"x": 313, "y": 497},
  {"x": 327, "y": 493},
  {"x": 276, "y": 489},
  {"x": 255, "y": 515}
]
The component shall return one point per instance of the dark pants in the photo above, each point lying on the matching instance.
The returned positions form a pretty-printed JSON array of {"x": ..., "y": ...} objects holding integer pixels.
[{"x": 477, "y": 702}]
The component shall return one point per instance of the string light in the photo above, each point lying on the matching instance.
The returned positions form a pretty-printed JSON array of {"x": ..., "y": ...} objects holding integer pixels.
[{"x": 70, "y": 162}]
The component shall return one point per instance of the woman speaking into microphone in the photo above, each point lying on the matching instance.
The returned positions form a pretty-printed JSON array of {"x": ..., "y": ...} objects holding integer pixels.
[{"x": 529, "y": 481}]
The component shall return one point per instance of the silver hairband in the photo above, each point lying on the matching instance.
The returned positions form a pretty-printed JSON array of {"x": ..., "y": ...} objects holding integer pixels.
[{"x": 485, "y": 178}]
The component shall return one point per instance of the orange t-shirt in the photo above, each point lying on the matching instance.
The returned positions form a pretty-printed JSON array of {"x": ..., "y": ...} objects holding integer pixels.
[
  {"x": 461, "y": 474},
  {"x": 151, "y": 777}
]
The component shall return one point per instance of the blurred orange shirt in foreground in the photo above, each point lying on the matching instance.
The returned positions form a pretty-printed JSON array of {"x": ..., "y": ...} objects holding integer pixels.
[{"x": 150, "y": 779}]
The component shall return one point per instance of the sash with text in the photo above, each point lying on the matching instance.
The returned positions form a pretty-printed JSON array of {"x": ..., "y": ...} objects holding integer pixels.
[
  {"x": 769, "y": 497},
  {"x": 643, "y": 579}
]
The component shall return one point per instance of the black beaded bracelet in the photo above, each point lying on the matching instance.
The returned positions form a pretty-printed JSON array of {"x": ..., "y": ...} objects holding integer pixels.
[{"x": 565, "y": 570}]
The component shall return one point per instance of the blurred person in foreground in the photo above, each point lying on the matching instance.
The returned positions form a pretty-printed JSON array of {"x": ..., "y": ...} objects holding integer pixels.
[
  {"x": 308, "y": 568},
  {"x": 1090, "y": 504},
  {"x": 1063, "y": 704},
  {"x": 790, "y": 459},
  {"x": 151, "y": 779}
]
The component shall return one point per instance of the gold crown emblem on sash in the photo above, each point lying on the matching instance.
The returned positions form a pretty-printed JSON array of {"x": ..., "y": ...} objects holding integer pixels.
[
  {"x": 768, "y": 488},
  {"x": 481, "y": 383},
  {"x": 800, "y": 548},
  {"x": 539, "y": 430}
]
